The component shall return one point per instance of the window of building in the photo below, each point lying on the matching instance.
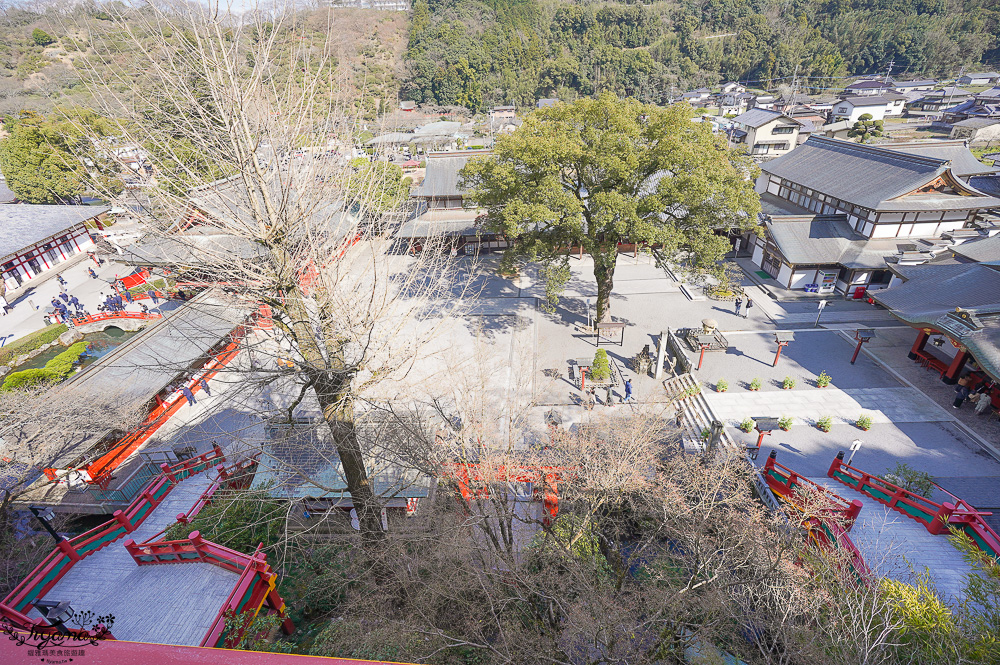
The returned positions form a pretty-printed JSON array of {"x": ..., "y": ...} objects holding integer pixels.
[{"x": 782, "y": 130}]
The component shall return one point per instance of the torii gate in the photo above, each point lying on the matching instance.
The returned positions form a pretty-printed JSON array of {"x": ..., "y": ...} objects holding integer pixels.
[{"x": 548, "y": 477}]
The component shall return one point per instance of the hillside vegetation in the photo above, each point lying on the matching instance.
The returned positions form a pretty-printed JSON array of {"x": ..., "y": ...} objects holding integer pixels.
[{"x": 479, "y": 52}]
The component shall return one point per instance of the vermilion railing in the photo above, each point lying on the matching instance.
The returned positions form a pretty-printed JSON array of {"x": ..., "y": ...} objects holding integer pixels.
[
  {"x": 829, "y": 521},
  {"x": 45, "y": 576},
  {"x": 936, "y": 517},
  {"x": 105, "y": 316}
]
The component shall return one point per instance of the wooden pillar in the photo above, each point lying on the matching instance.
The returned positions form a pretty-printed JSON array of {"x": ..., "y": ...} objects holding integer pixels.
[
  {"x": 123, "y": 520},
  {"x": 67, "y": 548},
  {"x": 918, "y": 344},
  {"x": 955, "y": 369}
]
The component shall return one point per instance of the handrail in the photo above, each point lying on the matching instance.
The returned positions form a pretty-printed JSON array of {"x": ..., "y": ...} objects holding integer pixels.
[
  {"x": 104, "y": 316},
  {"x": 793, "y": 481}
]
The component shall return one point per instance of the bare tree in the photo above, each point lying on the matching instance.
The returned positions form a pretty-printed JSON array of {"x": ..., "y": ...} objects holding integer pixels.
[{"x": 251, "y": 141}]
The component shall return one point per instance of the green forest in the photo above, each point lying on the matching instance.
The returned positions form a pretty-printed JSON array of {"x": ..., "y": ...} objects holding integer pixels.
[{"x": 475, "y": 53}]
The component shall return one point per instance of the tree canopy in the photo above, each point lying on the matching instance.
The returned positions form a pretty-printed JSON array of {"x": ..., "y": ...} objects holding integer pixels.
[
  {"x": 599, "y": 172},
  {"x": 50, "y": 160}
]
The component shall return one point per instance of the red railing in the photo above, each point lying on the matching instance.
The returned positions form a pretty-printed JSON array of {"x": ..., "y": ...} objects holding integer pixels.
[
  {"x": 829, "y": 521},
  {"x": 936, "y": 517},
  {"x": 45, "y": 576},
  {"x": 105, "y": 316},
  {"x": 100, "y": 470}
]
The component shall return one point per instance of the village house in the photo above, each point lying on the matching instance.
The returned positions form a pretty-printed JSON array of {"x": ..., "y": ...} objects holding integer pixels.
[
  {"x": 976, "y": 130},
  {"x": 697, "y": 97},
  {"x": 766, "y": 134},
  {"x": 732, "y": 87},
  {"x": 502, "y": 114},
  {"x": 917, "y": 85},
  {"x": 867, "y": 87},
  {"x": 852, "y": 108},
  {"x": 834, "y": 211},
  {"x": 986, "y": 104},
  {"x": 979, "y": 78},
  {"x": 37, "y": 238},
  {"x": 937, "y": 101}
]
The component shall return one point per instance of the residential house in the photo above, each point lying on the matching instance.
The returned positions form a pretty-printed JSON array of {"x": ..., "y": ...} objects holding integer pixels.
[
  {"x": 763, "y": 101},
  {"x": 735, "y": 102},
  {"x": 983, "y": 105},
  {"x": 544, "y": 103},
  {"x": 895, "y": 103},
  {"x": 697, "y": 97},
  {"x": 766, "y": 134},
  {"x": 868, "y": 87},
  {"x": 37, "y": 238},
  {"x": 852, "y": 108},
  {"x": 937, "y": 101},
  {"x": 976, "y": 130},
  {"x": 502, "y": 114},
  {"x": 834, "y": 212},
  {"x": 834, "y": 130},
  {"x": 980, "y": 78},
  {"x": 733, "y": 87},
  {"x": 917, "y": 85}
]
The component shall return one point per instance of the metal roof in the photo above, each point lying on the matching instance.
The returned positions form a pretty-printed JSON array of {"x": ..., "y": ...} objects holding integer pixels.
[
  {"x": 984, "y": 250},
  {"x": 932, "y": 296},
  {"x": 441, "y": 179},
  {"x": 824, "y": 239},
  {"x": 963, "y": 163},
  {"x": 866, "y": 175},
  {"x": 759, "y": 117},
  {"x": 23, "y": 225}
]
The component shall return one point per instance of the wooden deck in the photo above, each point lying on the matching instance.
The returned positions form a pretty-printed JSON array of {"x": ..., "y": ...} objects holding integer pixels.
[{"x": 166, "y": 604}]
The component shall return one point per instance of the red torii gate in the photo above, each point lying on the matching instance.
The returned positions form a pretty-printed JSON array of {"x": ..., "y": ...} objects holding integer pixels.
[{"x": 548, "y": 477}]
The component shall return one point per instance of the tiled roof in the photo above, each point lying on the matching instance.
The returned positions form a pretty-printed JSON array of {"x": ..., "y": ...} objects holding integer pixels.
[
  {"x": 23, "y": 225},
  {"x": 825, "y": 239},
  {"x": 982, "y": 75},
  {"x": 963, "y": 163},
  {"x": 931, "y": 296},
  {"x": 760, "y": 117},
  {"x": 867, "y": 85},
  {"x": 866, "y": 100},
  {"x": 442, "y": 176},
  {"x": 977, "y": 123},
  {"x": 982, "y": 251}
]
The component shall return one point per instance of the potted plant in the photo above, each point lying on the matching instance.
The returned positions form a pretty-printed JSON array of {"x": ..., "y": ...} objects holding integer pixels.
[
  {"x": 823, "y": 380},
  {"x": 824, "y": 424},
  {"x": 785, "y": 423},
  {"x": 864, "y": 422},
  {"x": 755, "y": 384},
  {"x": 747, "y": 425},
  {"x": 788, "y": 383},
  {"x": 721, "y": 386}
]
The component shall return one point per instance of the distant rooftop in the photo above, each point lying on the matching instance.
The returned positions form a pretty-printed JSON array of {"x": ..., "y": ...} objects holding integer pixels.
[{"x": 23, "y": 224}]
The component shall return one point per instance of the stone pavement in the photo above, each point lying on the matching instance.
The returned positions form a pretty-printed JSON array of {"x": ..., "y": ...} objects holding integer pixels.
[
  {"x": 165, "y": 603},
  {"x": 899, "y": 547},
  {"x": 24, "y": 319}
]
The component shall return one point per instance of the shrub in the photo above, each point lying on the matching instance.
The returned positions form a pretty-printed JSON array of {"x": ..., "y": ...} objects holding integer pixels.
[
  {"x": 864, "y": 421},
  {"x": 705, "y": 433},
  {"x": 600, "y": 370},
  {"x": 785, "y": 422},
  {"x": 823, "y": 380},
  {"x": 825, "y": 423},
  {"x": 722, "y": 385},
  {"x": 788, "y": 383},
  {"x": 755, "y": 384},
  {"x": 54, "y": 371},
  {"x": 32, "y": 342},
  {"x": 41, "y": 37},
  {"x": 911, "y": 480},
  {"x": 747, "y": 424}
]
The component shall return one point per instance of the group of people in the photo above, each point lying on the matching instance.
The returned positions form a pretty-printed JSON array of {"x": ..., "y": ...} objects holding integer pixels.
[
  {"x": 184, "y": 389},
  {"x": 739, "y": 304},
  {"x": 64, "y": 302},
  {"x": 981, "y": 396},
  {"x": 609, "y": 397}
]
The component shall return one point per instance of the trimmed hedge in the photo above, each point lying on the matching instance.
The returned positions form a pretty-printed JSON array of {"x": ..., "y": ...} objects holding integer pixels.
[
  {"x": 54, "y": 371},
  {"x": 31, "y": 342}
]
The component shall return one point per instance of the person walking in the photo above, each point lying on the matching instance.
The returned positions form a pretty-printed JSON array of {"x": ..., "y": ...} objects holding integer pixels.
[
  {"x": 739, "y": 305},
  {"x": 591, "y": 399},
  {"x": 609, "y": 397},
  {"x": 128, "y": 297},
  {"x": 64, "y": 296},
  {"x": 961, "y": 394},
  {"x": 90, "y": 271},
  {"x": 628, "y": 391},
  {"x": 143, "y": 308},
  {"x": 189, "y": 395},
  {"x": 204, "y": 386},
  {"x": 75, "y": 302},
  {"x": 746, "y": 312},
  {"x": 61, "y": 280},
  {"x": 152, "y": 296},
  {"x": 983, "y": 403}
]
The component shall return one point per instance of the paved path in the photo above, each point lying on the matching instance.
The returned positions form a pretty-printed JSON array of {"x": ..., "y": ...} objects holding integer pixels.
[
  {"x": 805, "y": 406},
  {"x": 166, "y": 603},
  {"x": 898, "y": 547}
]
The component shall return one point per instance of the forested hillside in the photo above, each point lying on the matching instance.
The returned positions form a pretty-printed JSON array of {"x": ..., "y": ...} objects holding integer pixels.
[{"x": 479, "y": 52}]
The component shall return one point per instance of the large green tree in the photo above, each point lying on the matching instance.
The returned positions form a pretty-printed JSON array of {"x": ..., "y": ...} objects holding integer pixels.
[
  {"x": 52, "y": 160},
  {"x": 605, "y": 171}
]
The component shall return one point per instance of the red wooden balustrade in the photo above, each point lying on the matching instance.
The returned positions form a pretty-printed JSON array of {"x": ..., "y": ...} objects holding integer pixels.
[
  {"x": 107, "y": 316},
  {"x": 547, "y": 477},
  {"x": 936, "y": 517},
  {"x": 45, "y": 576},
  {"x": 828, "y": 526}
]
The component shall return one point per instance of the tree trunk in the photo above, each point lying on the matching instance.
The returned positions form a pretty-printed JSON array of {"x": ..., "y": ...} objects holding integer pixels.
[
  {"x": 333, "y": 393},
  {"x": 604, "y": 275}
]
